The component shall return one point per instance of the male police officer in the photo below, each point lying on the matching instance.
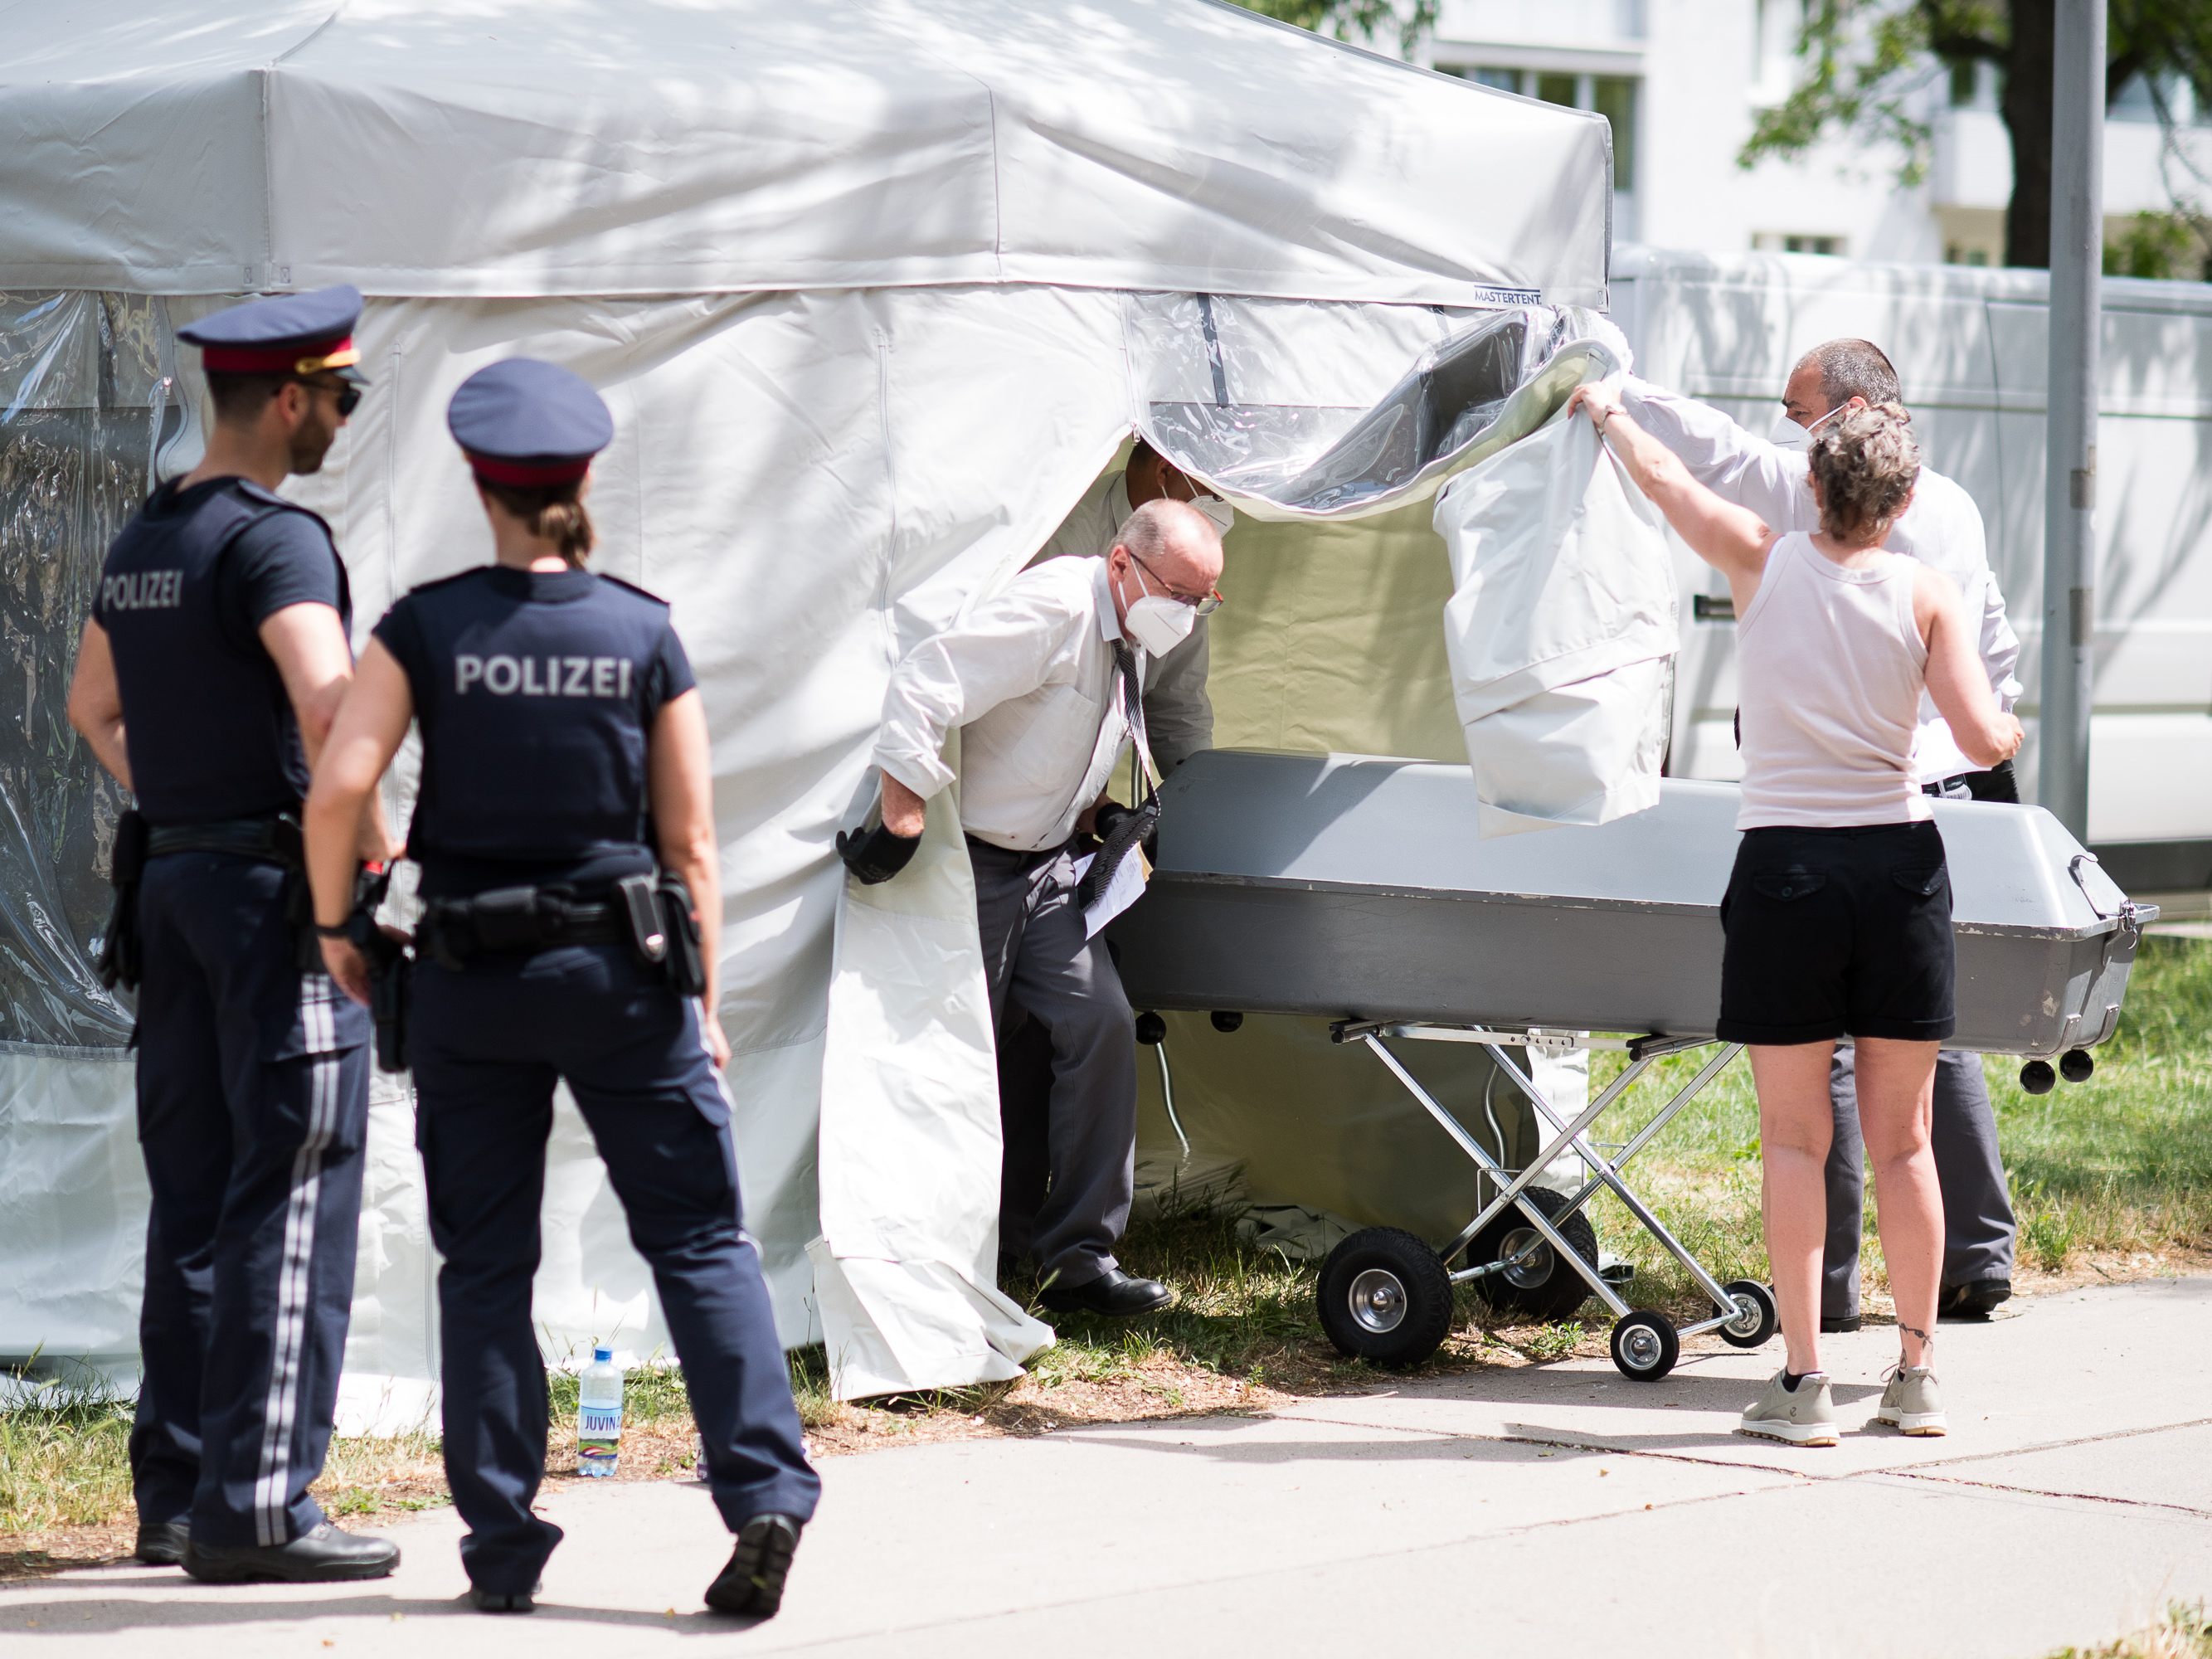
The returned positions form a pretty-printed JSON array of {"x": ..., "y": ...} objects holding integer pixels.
[
  {"x": 215, "y": 659},
  {"x": 1043, "y": 681},
  {"x": 1942, "y": 528}
]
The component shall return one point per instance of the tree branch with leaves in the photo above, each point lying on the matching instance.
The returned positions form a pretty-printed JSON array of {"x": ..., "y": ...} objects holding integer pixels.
[{"x": 1864, "y": 66}]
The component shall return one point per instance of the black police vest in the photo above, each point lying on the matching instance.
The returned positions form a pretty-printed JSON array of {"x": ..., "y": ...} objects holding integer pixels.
[
  {"x": 206, "y": 720},
  {"x": 536, "y": 691}
]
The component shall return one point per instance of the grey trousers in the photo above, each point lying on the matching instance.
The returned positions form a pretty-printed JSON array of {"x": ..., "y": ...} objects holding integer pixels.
[
  {"x": 1071, "y": 1124},
  {"x": 1977, "y": 1222}
]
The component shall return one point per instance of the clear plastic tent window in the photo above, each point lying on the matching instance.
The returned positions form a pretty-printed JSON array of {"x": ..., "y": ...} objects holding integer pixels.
[
  {"x": 85, "y": 402},
  {"x": 1250, "y": 395}
]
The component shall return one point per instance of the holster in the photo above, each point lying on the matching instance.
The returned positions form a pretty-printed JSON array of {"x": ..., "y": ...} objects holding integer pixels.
[
  {"x": 121, "y": 953},
  {"x": 686, "y": 961},
  {"x": 391, "y": 970}
]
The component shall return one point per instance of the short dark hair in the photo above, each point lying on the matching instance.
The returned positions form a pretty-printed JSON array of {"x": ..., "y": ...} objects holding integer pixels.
[
  {"x": 242, "y": 397},
  {"x": 1855, "y": 368}
]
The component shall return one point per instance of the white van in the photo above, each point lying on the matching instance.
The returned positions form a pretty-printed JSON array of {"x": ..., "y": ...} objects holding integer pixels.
[{"x": 1970, "y": 348}]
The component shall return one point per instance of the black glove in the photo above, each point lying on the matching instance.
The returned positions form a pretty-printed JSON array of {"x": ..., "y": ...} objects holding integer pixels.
[{"x": 877, "y": 855}]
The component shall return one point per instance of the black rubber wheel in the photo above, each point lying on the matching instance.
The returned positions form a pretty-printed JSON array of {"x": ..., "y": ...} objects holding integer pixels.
[
  {"x": 1385, "y": 1297},
  {"x": 2075, "y": 1065},
  {"x": 1150, "y": 1028},
  {"x": 1757, "y": 1318},
  {"x": 1644, "y": 1345},
  {"x": 2036, "y": 1077},
  {"x": 1226, "y": 1020},
  {"x": 1543, "y": 1288}
]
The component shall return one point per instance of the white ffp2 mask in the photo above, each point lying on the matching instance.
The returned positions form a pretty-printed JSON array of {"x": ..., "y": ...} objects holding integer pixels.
[
  {"x": 1788, "y": 434},
  {"x": 1216, "y": 511},
  {"x": 1158, "y": 625}
]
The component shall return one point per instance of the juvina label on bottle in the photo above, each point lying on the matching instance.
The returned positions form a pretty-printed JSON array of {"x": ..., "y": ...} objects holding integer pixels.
[{"x": 598, "y": 1415}]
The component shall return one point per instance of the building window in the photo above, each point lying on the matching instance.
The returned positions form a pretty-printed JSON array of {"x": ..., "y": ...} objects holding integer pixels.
[
  {"x": 1613, "y": 96},
  {"x": 1957, "y": 253},
  {"x": 1790, "y": 241}
]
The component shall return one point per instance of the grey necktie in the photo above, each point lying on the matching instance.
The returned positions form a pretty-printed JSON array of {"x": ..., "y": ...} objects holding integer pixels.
[{"x": 1139, "y": 825}]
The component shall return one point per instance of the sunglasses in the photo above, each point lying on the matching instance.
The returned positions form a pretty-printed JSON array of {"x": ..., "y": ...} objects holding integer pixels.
[{"x": 347, "y": 394}]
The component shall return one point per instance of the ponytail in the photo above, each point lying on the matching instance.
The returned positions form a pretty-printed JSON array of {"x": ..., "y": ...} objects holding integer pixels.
[{"x": 551, "y": 512}]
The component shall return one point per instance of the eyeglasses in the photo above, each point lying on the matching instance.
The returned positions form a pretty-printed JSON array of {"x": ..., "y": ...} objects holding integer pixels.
[{"x": 1205, "y": 603}]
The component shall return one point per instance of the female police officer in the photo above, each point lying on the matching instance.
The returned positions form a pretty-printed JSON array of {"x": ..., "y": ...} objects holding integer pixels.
[{"x": 563, "y": 745}]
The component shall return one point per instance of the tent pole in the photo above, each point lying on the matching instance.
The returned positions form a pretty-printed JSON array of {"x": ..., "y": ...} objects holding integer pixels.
[{"x": 2077, "y": 248}]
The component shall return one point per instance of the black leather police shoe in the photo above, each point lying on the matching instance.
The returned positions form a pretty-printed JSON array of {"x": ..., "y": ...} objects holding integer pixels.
[
  {"x": 1113, "y": 1293},
  {"x": 161, "y": 1543},
  {"x": 1840, "y": 1322},
  {"x": 752, "y": 1585},
  {"x": 318, "y": 1556},
  {"x": 1975, "y": 1300},
  {"x": 488, "y": 1601}
]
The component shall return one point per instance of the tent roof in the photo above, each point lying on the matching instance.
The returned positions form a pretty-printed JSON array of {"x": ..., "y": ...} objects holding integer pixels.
[{"x": 608, "y": 147}]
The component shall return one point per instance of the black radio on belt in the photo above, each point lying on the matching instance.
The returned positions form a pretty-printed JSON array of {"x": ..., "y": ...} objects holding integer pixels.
[{"x": 120, "y": 956}]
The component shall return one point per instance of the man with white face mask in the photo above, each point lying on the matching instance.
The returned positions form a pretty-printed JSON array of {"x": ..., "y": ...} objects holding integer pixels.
[
  {"x": 1942, "y": 528},
  {"x": 1178, "y": 713},
  {"x": 1041, "y": 679}
]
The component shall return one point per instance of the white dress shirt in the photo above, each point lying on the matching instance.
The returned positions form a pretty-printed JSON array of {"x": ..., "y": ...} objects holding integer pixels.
[
  {"x": 1942, "y": 528},
  {"x": 1028, "y": 678},
  {"x": 1178, "y": 713}
]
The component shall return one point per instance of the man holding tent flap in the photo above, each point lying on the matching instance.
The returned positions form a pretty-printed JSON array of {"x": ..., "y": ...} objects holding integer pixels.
[
  {"x": 1043, "y": 680},
  {"x": 1942, "y": 528}
]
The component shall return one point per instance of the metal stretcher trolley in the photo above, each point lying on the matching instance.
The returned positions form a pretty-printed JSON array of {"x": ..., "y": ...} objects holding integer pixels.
[{"x": 1355, "y": 889}]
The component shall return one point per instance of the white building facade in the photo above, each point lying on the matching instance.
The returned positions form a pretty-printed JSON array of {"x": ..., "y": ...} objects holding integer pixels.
[{"x": 1683, "y": 82}]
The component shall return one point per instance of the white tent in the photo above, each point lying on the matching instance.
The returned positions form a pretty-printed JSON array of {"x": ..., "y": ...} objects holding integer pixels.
[{"x": 874, "y": 288}]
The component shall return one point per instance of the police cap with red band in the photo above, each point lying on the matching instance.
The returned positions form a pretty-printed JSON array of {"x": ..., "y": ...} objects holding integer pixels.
[
  {"x": 294, "y": 334},
  {"x": 524, "y": 422}
]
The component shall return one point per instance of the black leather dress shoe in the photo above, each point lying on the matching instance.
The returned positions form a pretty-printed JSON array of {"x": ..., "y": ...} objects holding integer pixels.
[
  {"x": 318, "y": 1556},
  {"x": 161, "y": 1543},
  {"x": 1113, "y": 1293},
  {"x": 1975, "y": 1300},
  {"x": 1835, "y": 1325},
  {"x": 752, "y": 1585}
]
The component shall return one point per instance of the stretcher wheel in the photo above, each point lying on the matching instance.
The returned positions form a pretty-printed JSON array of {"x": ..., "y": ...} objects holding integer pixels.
[
  {"x": 2075, "y": 1065},
  {"x": 1150, "y": 1028},
  {"x": 1757, "y": 1318},
  {"x": 2036, "y": 1077},
  {"x": 1226, "y": 1020},
  {"x": 1644, "y": 1345},
  {"x": 1385, "y": 1297},
  {"x": 1543, "y": 1288}
]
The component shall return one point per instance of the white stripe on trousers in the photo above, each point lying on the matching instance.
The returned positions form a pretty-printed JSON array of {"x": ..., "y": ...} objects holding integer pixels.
[{"x": 294, "y": 1288}]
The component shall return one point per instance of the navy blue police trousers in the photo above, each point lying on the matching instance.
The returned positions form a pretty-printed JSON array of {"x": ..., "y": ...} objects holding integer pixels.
[
  {"x": 252, "y": 1103},
  {"x": 487, "y": 1042}
]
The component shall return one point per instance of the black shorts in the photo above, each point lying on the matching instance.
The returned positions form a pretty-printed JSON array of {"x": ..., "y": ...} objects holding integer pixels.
[{"x": 1838, "y": 932}]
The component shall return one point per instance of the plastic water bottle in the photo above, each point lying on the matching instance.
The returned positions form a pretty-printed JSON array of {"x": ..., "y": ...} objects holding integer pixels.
[{"x": 598, "y": 1414}]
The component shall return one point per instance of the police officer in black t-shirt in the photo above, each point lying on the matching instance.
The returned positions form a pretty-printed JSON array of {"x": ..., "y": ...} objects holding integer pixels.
[
  {"x": 216, "y": 655},
  {"x": 565, "y": 831}
]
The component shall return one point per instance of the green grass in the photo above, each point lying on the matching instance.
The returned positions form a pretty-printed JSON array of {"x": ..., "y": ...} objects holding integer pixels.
[
  {"x": 2120, "y": 1166},
  {"x": 2185, "y": 1633}
]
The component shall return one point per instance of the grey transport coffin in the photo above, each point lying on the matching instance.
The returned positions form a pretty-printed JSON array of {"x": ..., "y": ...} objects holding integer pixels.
[{"x": 1353, "y": 887}]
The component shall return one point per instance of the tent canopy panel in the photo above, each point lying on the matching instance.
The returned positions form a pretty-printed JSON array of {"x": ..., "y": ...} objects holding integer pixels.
[{"x": 581, "y": 147}]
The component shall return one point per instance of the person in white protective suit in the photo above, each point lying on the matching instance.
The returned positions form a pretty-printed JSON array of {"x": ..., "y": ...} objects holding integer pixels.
[
  {"x": 1943, "y": 529},
  {"x": 1043, "y": 681}
]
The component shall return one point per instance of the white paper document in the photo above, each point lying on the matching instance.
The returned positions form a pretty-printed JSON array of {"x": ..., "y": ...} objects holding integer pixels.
[{"x": 1124, "y": 890}]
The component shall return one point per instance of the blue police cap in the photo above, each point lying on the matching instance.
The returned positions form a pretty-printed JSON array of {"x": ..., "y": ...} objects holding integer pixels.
[
  {"x": 524, "y": 422},
  {"x": 293, "y": 334}
]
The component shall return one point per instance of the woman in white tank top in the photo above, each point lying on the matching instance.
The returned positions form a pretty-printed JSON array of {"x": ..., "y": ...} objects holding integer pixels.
[{"x": 1838, "y": 915}]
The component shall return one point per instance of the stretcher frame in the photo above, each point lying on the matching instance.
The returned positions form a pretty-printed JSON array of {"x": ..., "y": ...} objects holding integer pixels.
[{"x": 1645, "y": 1344}]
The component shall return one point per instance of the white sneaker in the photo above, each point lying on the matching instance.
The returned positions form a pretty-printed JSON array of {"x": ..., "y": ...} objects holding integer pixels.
[
  {"x": 1803, "y": 1416},
  {"x": 1910, "y": 1402}
]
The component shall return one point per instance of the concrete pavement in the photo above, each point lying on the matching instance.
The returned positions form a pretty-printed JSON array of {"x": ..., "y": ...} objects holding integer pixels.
[{"x": 1559, "y": 1510}]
